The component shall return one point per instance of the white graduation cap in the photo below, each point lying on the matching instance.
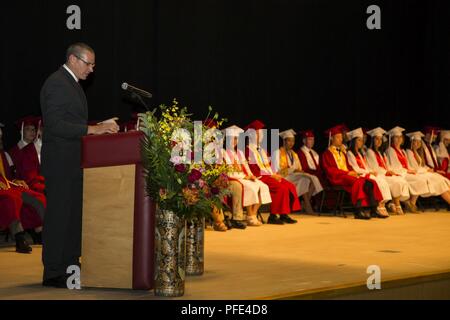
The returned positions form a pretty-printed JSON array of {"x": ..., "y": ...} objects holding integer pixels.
[
  {"x": 233, "y": 131},
  {"x": 377, "y": 132},
  {"x": 396, "y": 132},
  {"x": 288, "y": 134},
  {"x": 417, "y": 135},
  {"x": 357, "y": 133}
]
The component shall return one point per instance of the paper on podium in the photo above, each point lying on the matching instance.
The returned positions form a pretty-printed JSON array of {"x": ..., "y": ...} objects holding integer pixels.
[{"x": 112, "y": 120}]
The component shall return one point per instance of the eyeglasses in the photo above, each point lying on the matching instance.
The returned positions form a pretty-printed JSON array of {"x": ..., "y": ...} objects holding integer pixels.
[{"x": 89, "y": 64}]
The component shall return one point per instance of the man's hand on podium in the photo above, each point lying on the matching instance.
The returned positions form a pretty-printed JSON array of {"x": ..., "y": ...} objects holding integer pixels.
[{"x": 103, "y": 128}]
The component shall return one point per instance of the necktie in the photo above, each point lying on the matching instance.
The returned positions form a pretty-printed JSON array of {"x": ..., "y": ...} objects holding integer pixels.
[{"x": 314, "y": 159}]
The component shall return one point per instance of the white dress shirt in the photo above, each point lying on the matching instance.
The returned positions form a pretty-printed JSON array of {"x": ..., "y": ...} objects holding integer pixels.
[{"x": 71, "y": 73}]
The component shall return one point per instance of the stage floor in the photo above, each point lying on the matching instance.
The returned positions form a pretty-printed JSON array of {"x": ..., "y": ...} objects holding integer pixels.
[{"x": 318, "y": 253}]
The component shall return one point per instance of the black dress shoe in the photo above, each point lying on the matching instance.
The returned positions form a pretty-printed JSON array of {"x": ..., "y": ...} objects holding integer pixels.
[
  {"x": 227, "y": 223},
  {"x": 36, "y": 236},
  {"x": 21, "y": 243},
  {"x": 360, "y": 215},
  {"x": 286, "y": 219},
  {"x": 58, "y": 282},
  {"x": 273, "y": 219},
  {"x": 238, "y": 224}
]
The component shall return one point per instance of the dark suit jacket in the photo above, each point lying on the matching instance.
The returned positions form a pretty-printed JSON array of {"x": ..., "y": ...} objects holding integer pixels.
[{"x": 65, "y": 115}]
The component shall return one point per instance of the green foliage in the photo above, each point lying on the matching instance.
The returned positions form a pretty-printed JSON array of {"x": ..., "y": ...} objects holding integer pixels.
[{"x": 167, "y": 183}]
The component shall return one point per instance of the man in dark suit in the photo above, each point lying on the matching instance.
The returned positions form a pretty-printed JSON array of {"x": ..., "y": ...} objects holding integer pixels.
[{"x": 65, "y": 117}]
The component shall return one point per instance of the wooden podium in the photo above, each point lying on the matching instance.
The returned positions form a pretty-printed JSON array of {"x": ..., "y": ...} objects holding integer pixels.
[{"x": 118, "y": 217}]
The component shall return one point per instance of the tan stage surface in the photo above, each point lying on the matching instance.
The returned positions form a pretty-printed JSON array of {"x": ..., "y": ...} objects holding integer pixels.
[{"x": 271, "y": 261}]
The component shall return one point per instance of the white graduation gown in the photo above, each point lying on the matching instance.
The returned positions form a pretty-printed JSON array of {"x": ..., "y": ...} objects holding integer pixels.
[
  {"x": 437, "y": 184},
  {"x": 397, "y": 184},
  {"x": 379, "y": 179},
  {"x": 417, "y": 183},
  {"x": 254, "y": 191}
]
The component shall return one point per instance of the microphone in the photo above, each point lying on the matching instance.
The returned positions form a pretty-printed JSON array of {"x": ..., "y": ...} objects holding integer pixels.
[{"x": 140, "y": 92}]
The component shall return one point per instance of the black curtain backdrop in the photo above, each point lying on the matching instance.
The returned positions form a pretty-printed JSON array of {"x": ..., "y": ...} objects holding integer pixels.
[{"x": 293, "y": 64}]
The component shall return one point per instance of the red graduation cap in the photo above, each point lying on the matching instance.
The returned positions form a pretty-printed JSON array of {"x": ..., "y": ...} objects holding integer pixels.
[
  {"x": 343, "y": 127},
  {"x": 28, "y": 121},
  {"x": 335, "y": 130},
  {"x": 431, "y": 130},
  {"x": 256, "y": 125},
  {"x": 306, "y": 134}
]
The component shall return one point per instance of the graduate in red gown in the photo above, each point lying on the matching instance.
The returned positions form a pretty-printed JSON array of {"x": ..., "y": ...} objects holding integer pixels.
[
  {"x": 15, "y": 198},
  {"x": 26, "y": 153},
  {"x": 283, "y": 193},
  {"x": 442, "y": 151},
  {"x": 364, "y": 192},
  {"x": 309, "y": 158},
  {"x": 431, "y": 158}
]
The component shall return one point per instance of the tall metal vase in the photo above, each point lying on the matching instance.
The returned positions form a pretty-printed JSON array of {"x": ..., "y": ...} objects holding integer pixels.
[
  {"x": 195, "y": 245},
  {"x": 170, "y": 251}
]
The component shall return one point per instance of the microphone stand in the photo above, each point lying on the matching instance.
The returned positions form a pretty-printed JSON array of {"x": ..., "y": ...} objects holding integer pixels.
[{"x": 138, "y": 97}]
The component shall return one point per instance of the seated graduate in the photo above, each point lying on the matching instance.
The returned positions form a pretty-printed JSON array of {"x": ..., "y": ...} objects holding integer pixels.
[
  {"x": 377, "y": 162},
  {"x": 430, "y": 155},
  {"x": 364, "y": 191},
  {"x": 15, "y": 196},
  {"x": 26, "y": 154},
  {"x": 358, "y": 163},
  {"x": 437, "y": 184},
  {"x": 288, "y": 165},
  {"x": 309, "y": 158},
  {"x": 283, "y": 193},
  {"x": 250, "y": 192},
  {"x": 442, "y": 151}
]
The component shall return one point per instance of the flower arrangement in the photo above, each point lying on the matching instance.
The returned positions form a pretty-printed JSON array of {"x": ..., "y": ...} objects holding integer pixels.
[{"x": 179, "y": 177}]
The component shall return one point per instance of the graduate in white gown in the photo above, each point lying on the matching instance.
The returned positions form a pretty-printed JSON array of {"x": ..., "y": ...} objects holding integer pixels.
[
  {"x": 377, "y": 162},
  {"x": 437, "y": 184},
  {"x": 287, "y": 164},
  {"x": 358, "y": 163},
  {"x": 254, "y": 192},
  {"x": 398, "y": 163}
]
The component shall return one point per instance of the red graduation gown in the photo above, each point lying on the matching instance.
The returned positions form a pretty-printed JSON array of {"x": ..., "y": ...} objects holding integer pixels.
[
  {"x": 305, "y": 166},
  {"x": 28, "y": 167},
  {"x": 12, "y": 206},
  {"x": 341, "y": 178},
  {"x": 283, "y": 193}
]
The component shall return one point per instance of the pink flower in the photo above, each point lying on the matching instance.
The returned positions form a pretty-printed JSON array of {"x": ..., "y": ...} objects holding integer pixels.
[
  {"x": 176, "y": 160},
  {"x": 201, "y": 183}
]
